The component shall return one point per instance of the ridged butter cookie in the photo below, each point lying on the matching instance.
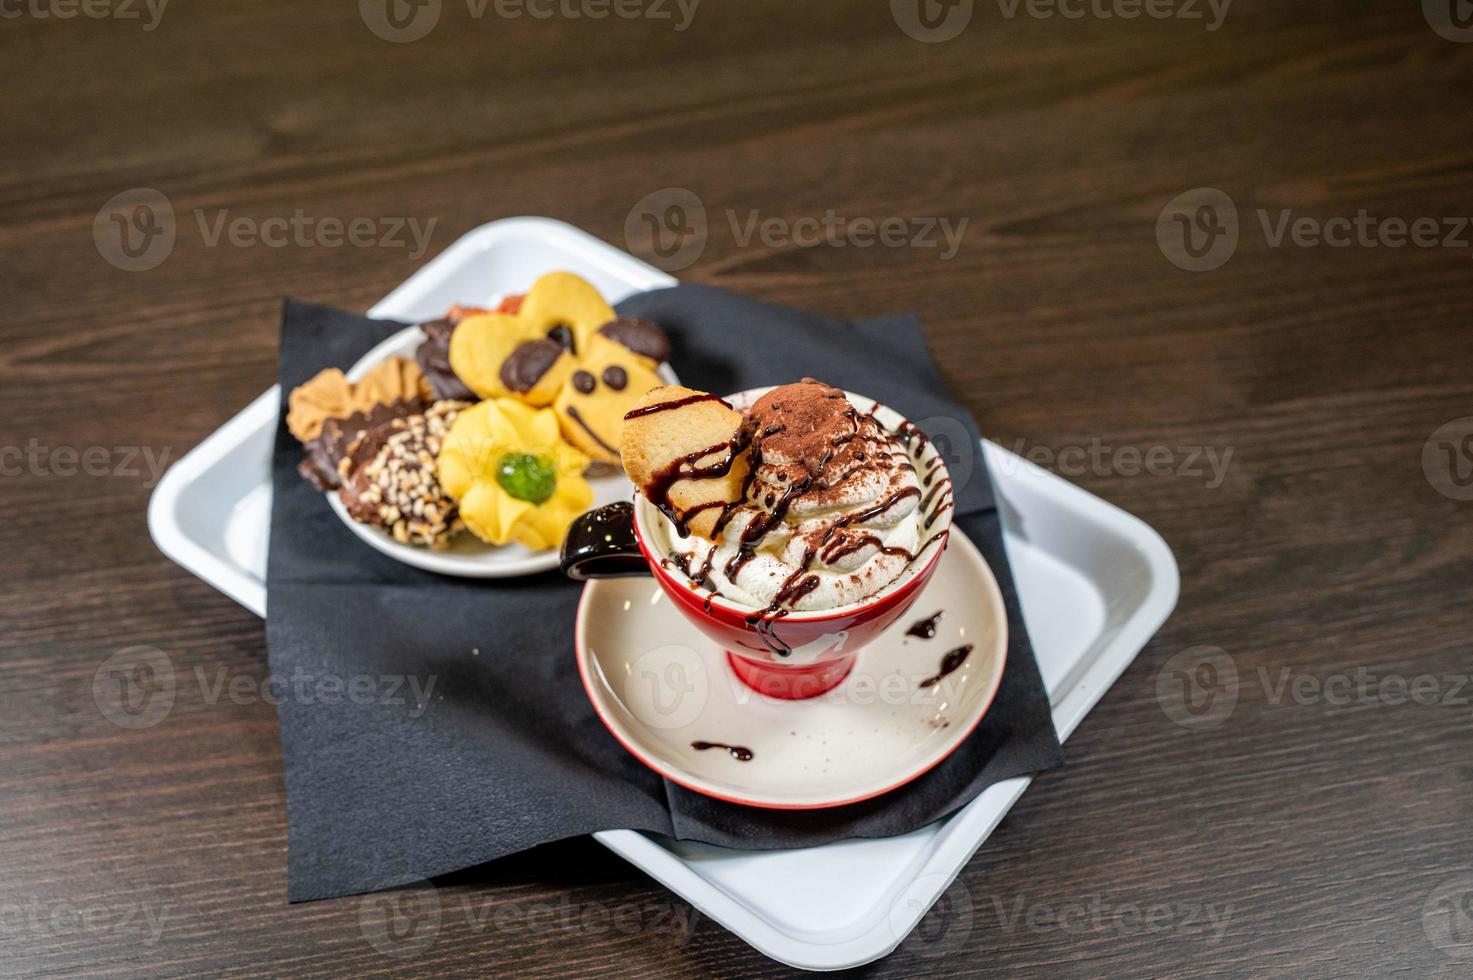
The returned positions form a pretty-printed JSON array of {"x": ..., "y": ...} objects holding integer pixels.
[{"x": 686, "y": 451}]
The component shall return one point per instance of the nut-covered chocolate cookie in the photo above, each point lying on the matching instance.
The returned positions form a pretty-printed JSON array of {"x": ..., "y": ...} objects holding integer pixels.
[
  {"x": 393, "y": 481},
  {"x": 327, "y": 454}
]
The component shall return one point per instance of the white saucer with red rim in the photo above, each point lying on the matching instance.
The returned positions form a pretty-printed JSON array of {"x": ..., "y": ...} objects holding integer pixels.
[{"x": 663, "y": 689}]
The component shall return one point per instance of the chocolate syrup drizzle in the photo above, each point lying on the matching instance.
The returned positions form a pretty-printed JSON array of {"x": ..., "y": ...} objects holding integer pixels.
[
  {"x": 738, "y": 752},
  {"x": 944, "y": 485},
  {"x": 685, "y": 468},
  {"x": 949, "y": 663},
  {"x": 801, "y": 581},
  {"x": 577, "y": 416},
  {"x": 635, "y": 413}
]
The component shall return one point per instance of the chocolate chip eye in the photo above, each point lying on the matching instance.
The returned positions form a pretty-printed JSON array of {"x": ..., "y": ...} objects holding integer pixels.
[
  {"x": 616, "y": 377},
  {"x": 562, "y": 334},
  {"x": 584, "y": 382}
]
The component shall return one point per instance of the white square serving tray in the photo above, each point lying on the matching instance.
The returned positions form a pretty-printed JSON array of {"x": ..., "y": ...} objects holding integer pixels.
[{"x": 1095, "y": 582}]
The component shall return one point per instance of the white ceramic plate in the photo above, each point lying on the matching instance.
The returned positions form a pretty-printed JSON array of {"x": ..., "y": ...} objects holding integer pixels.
[
  {"x": 661, "y": 687},
  {"x": 467, "y": 556}
]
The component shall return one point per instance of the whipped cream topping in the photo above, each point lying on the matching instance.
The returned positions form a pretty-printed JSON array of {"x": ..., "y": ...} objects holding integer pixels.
[{"x": 831, "y": 514}]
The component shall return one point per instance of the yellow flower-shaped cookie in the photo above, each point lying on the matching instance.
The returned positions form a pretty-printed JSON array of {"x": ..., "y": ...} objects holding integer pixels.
[{"x": 513, "y": 475}]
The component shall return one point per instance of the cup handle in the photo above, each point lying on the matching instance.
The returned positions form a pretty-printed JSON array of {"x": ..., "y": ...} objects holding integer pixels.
[{"x": 601, "y": 544}]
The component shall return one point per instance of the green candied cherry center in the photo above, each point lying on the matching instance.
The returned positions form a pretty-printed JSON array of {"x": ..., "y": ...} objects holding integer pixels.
[{"x": 526, "y": 477}]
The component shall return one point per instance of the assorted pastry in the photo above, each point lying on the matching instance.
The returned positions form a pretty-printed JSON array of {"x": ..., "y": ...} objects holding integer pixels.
[{"x": 492, "y": 428}]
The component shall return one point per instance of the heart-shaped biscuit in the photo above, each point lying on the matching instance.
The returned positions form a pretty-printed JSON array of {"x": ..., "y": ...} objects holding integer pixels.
[
  {"x": 560, "y": 307},
  {"x": 563, "y": 346}
]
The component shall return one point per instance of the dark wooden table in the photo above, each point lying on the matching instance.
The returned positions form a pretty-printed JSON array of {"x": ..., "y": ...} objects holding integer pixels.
[{"x": 1324, "y": 821}]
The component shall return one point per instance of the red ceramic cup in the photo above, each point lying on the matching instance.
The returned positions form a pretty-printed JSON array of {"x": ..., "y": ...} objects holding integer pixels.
[{"x": 821, "y": 645}]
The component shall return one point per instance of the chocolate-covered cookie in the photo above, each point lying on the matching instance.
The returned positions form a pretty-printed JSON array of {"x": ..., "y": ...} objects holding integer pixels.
[
  {"x": 433, "y": 356},
  {"x": 643, "y": 337},
  {"x": 535, "y": 370},
  {"x": 392, "y": 480},
  {"x": 326, "y": 453}
]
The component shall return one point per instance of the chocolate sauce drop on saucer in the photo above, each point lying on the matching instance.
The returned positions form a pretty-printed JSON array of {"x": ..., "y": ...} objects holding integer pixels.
[
  {"x": 949, "y": 663},
  {"x": 738, "y": 752},
  {"x": 925, "y": 629}
]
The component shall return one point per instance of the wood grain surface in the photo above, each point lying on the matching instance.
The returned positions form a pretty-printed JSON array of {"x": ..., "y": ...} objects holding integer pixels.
[{"x": 1327, "y": 833}]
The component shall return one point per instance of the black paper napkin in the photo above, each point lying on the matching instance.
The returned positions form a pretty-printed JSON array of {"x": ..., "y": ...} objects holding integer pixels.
[{"x": 429, "y": 724}]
